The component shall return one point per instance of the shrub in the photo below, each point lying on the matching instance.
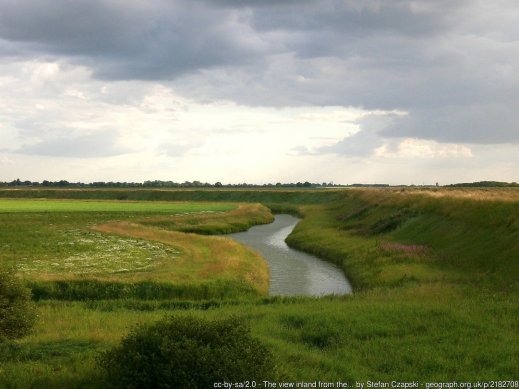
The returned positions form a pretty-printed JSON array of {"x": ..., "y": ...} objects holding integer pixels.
[
  {"x": 187, "y": 352},
  {"x": 17, "y": 314}
]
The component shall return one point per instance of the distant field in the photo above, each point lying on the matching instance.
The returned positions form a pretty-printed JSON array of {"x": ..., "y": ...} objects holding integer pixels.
[{"x": 15, "y": 205}]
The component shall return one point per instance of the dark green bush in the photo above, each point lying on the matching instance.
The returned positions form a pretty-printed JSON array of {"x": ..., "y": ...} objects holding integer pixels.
[
  {"x": 17, "y": 314},
  {"x": 187, "y": 352}
]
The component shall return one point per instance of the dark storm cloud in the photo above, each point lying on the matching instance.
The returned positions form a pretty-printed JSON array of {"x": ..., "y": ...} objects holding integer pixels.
[
  {"x": 362, "y": 18},
  {"x": 129, "y": 39},
  {"x": 450, "y": 65},
  {"x": 476, "y": 123},
  {"x": 93, "y": 145}
]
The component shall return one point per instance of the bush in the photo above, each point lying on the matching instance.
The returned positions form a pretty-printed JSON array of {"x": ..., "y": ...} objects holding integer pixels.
[
  {"x": 187, "y": 352},
  {"x": 17, "y": 314}
]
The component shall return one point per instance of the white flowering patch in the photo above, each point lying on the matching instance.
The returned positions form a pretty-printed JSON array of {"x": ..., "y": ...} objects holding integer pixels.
[{"x": 97, "y": 253}]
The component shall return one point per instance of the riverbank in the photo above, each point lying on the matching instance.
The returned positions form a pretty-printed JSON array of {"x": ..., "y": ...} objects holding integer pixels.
[
  {"x": 436, "y": 297},
  {"x": 292, "y": 272},
  {"x": 407, "y": 238}
]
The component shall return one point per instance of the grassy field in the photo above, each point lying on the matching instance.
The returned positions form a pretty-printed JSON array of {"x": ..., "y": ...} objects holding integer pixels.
[
  {"x": 74, "y": 248},
  {"x": 435, "y": 274},
  {"x": 44, "y": 205}
]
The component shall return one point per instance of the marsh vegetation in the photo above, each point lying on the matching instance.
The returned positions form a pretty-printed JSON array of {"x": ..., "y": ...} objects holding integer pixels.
[{"x": 435, "y": 276}]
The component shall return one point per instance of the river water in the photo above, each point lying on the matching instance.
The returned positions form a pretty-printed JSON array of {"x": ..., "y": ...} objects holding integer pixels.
[{"x": 292, "y": 272}]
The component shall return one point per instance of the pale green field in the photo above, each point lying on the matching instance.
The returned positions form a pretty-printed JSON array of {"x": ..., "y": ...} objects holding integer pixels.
[{"x": 15, "y": 205}]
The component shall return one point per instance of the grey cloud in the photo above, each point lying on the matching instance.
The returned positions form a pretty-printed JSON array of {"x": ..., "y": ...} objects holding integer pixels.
[
  {"x": 451, "y": 65},
  {"x": 364, "y": 142},
  {"x": 130, "y": 40},
  {"x": 361, "y": 18},
  {"x": 479, "y": 124},
  {"x": 93, "y": 145},
  {"x": 9, "y": 49}
]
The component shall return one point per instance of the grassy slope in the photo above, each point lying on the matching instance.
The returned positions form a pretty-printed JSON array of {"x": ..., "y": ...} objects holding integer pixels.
[
  {"x": 238, "y": 219},
  {"x": 383, "y": 238},
  {"x": 201, "y": 258},
  {"x": 62, "y": 255},
  {"x": 436, "y": 299}
]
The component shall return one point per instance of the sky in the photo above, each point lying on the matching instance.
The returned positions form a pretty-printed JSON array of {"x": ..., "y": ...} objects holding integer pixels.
[{"x": 343, "y": 91}]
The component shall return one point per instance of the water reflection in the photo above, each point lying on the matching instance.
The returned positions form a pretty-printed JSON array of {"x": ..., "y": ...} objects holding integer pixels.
[{"x": 292, "y": 272}]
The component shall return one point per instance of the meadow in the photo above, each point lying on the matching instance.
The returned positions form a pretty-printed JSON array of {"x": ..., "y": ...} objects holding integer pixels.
[
  {"x": 43, "y": 205},
  {"x": 435, "y": 275}
]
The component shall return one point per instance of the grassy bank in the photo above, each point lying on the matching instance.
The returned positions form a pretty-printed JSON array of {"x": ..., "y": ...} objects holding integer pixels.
[
  {"x": 236, "y": 220},
  {"x": 435, "y": 276},
  {"x": 391, "y": 238},
  {"x": 98, "y": 249}
]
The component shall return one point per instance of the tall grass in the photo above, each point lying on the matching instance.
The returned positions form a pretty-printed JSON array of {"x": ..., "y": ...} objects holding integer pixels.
[
  {"x": 371, "y": 336},
  {"x": 383, "y": 237},
  {"x": 81, "y": 290}
]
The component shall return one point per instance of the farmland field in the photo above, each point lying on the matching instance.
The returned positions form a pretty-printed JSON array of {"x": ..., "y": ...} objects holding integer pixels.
[
  {"x": 20, "y": 205},
  {"x": 435, "y": 276}
]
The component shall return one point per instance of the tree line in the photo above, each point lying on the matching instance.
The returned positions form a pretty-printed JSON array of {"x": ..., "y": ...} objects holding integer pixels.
[
  {"x": 485, "y": 184},
  {"x": 159, "y": 184}
]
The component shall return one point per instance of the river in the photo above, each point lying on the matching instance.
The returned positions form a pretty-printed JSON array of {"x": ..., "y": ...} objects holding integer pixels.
[{"x": 292, "y": 272}]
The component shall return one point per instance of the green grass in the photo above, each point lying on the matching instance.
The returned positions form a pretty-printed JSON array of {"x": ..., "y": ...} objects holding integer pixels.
[
  {"x": 19, "y": 205},
  {"x": 92, "y": 289},
  {"x": 239, "y": 219},
  {"x": 382, "y": 238},
  {"x": 74, "y": 242},
  {"x": 435, "y": 276},
  {"x": 365, "y": 337}
]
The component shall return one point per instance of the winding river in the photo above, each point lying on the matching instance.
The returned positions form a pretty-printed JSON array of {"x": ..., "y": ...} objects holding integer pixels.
[{"x": 292, "y": 272}]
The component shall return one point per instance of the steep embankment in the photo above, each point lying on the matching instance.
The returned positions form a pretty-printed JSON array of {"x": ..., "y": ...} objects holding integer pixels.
[{"x": 391, "y": 238}]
